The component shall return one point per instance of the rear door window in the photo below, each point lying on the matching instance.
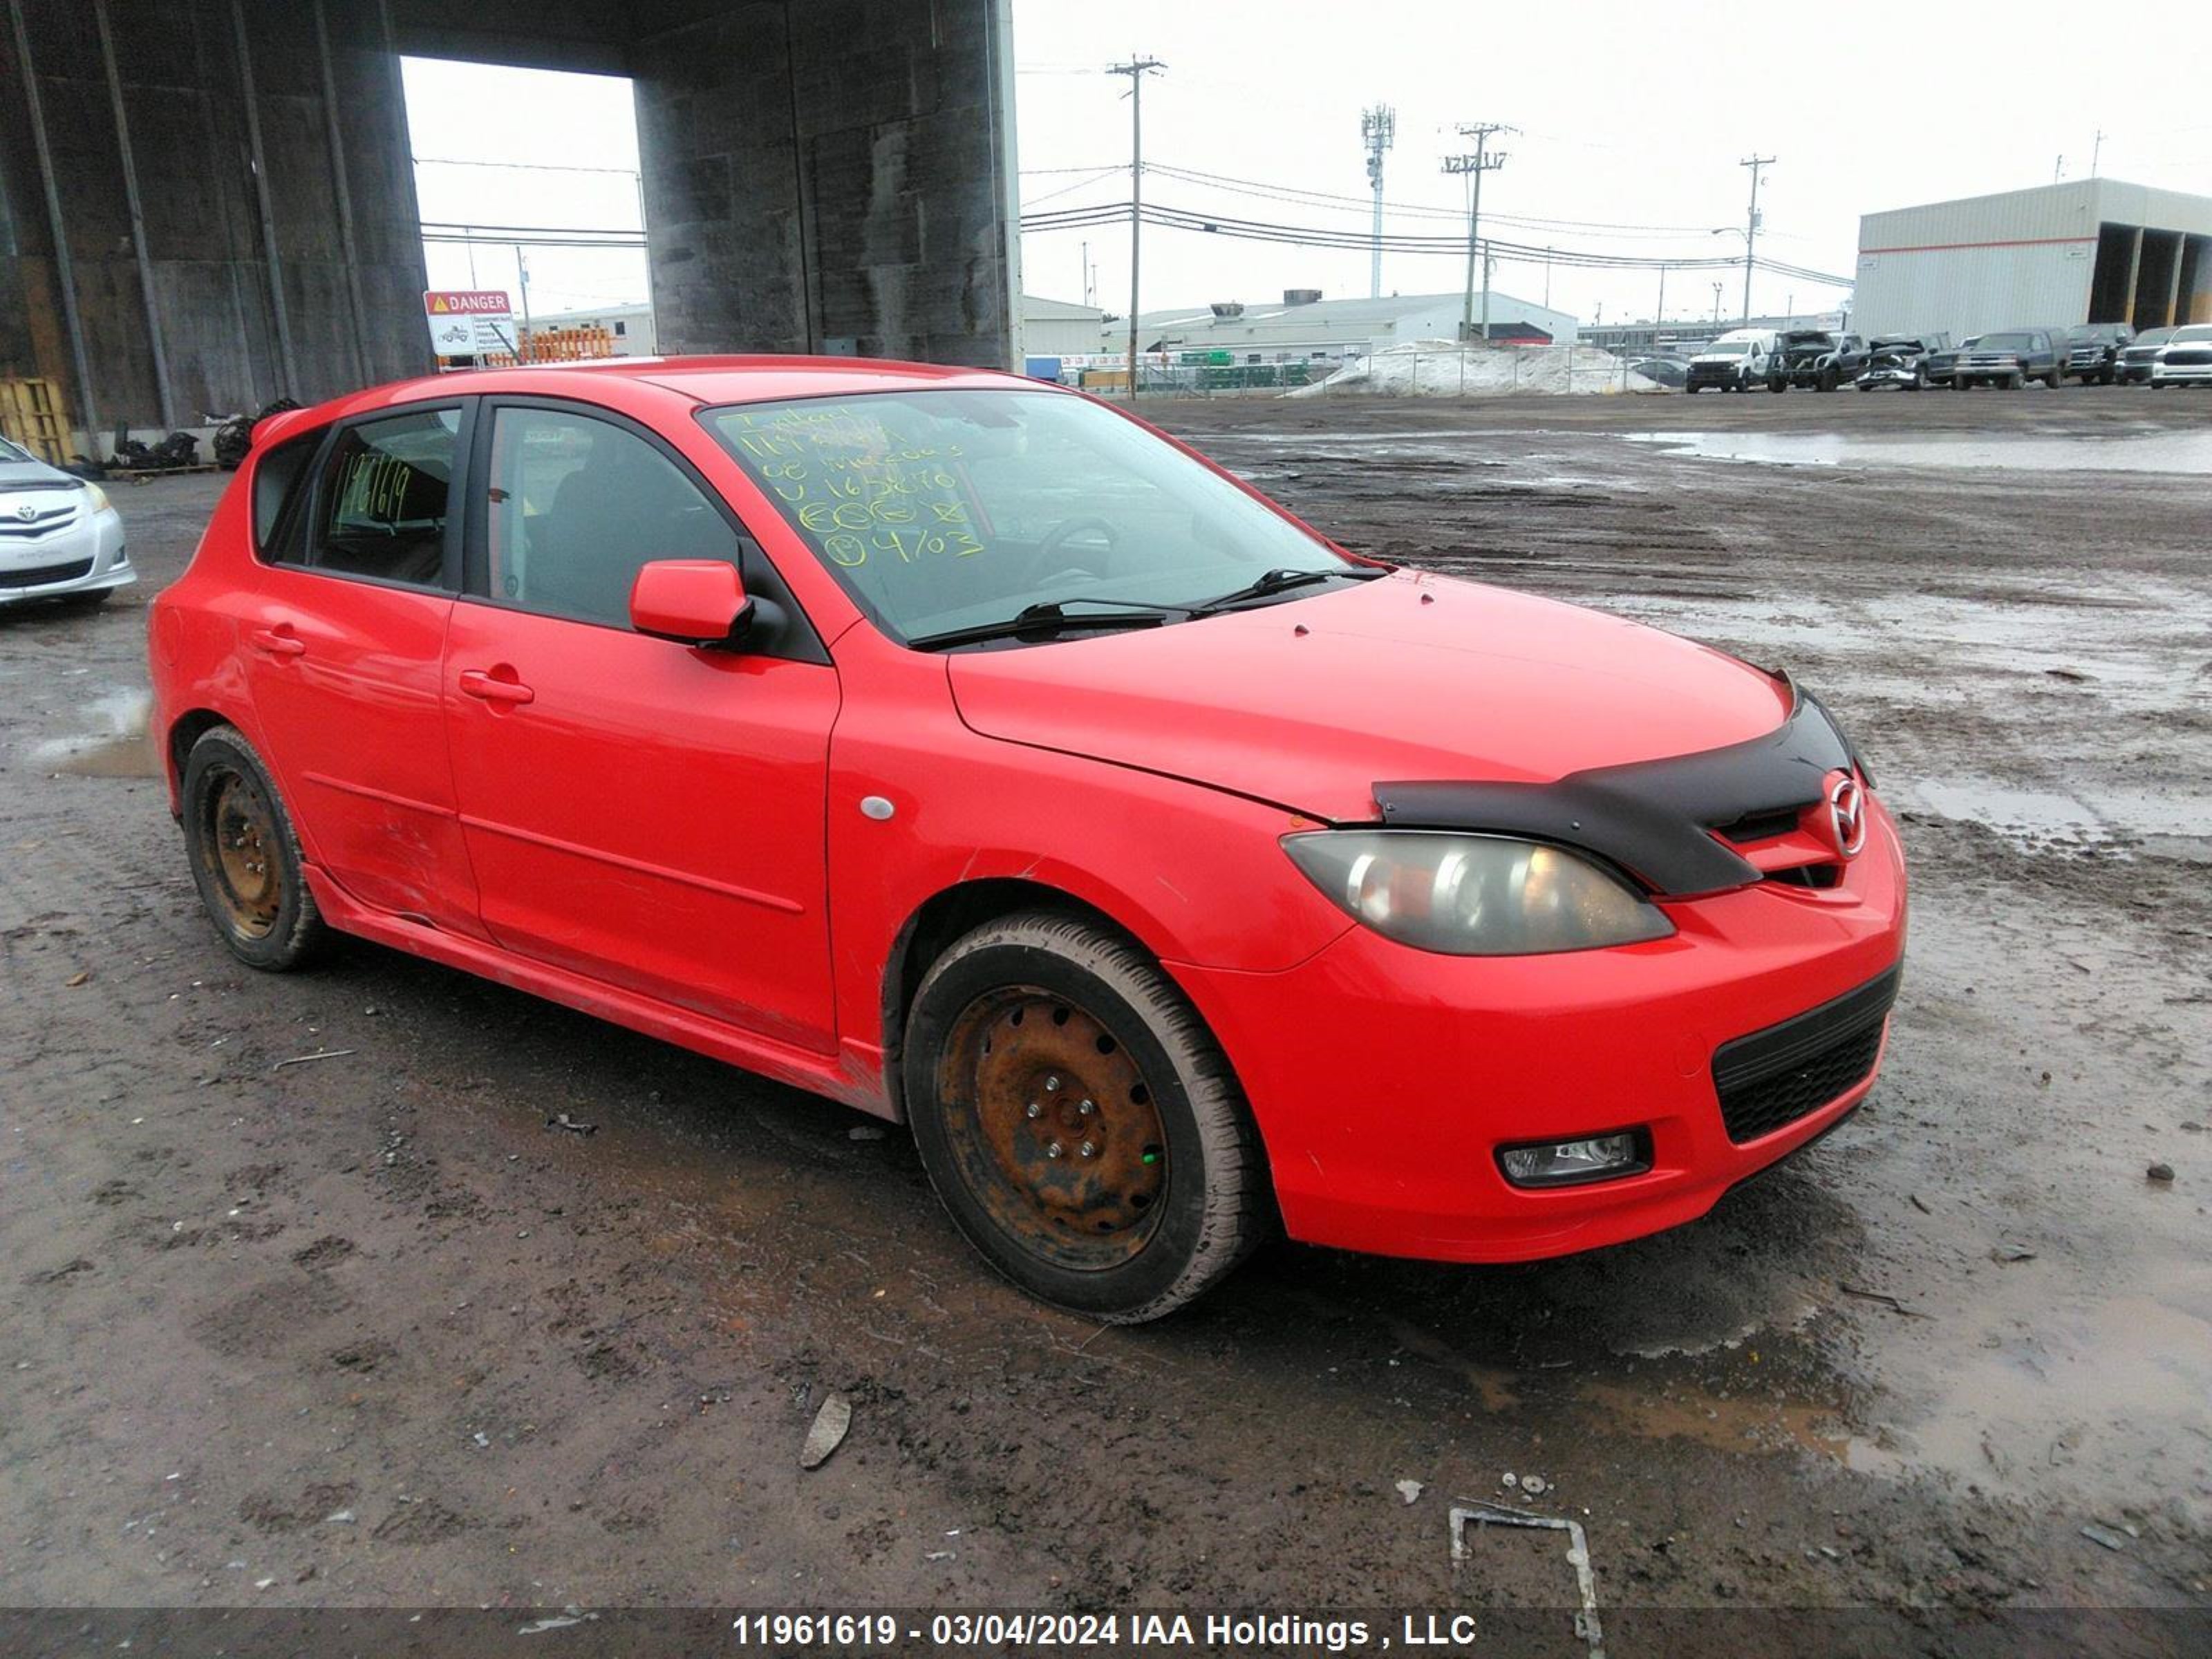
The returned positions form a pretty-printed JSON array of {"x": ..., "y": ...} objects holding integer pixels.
[{"x": 383, "y": 507}]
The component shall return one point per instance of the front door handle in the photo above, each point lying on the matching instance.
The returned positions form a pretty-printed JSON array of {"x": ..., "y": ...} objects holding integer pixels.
[
  {"x": 491, "y": 689},
  {"x": 279, "y": 641}
]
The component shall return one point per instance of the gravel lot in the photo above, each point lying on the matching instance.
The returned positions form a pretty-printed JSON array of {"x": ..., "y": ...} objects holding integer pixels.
[{"x": 364, "y": 1332}]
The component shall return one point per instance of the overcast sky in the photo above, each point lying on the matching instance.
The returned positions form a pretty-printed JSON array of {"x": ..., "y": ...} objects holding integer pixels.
[{"x": 1633, "y": 120}]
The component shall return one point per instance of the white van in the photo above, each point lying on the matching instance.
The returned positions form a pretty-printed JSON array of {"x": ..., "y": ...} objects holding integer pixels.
[{"x": 1736, "y": 362}]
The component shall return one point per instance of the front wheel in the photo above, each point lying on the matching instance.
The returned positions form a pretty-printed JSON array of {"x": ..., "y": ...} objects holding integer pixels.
[
  {"x": 1079, "y": 1122},
  {"x": 245, "y": 855}
]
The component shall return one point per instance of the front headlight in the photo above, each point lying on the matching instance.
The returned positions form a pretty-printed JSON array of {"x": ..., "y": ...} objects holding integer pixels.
[
  {"x": 100, "y": 502},
  {"x": 1472, "y": 895}
]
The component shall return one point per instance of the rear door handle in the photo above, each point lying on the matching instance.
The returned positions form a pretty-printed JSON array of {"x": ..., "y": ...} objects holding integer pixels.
[
  {"x": 279, "y": 641},
  {"x": 478, "y": 684}
]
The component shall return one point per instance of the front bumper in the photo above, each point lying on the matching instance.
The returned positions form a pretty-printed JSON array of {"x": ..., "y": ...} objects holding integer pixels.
[
  {"x": 1889, "y": 376},
  {"x": 87, "y": 557},
  {"x": 1385, "y": 1080},
  {"x": 2175, "y": 373}
]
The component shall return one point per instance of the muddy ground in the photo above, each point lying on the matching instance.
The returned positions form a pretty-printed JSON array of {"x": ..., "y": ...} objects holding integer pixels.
[{"x": 364, "y": 1332}]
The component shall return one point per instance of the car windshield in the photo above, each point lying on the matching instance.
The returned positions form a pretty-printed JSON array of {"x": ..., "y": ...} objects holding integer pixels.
[
  {"x": 2003, "y": 342},
  {"x": 2192, "y": 336},
  {"x": 1728, "y": 348},
  {"x": 10, "y": 452},
  {"x": 944, "y": 510},
  {"x": 2151, "y": 336}
]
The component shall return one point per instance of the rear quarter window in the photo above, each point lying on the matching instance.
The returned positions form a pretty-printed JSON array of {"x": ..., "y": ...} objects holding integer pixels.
[{"x": 278, "y": 479}]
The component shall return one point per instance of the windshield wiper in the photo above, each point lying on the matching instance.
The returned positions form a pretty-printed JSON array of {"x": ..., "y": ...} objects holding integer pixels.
[
  {"x": 1281, "y": 580},
  {"x": 1051, "y": 616}
]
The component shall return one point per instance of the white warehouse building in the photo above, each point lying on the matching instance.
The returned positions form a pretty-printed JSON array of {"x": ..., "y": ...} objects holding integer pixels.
[{"x": 2083, "y": 250}]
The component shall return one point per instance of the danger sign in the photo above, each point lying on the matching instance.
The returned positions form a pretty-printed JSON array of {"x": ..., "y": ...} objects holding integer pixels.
[{"x": 469, "y": 322}]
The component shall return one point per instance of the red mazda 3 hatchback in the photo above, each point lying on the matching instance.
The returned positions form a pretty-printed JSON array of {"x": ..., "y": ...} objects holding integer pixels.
[{"x": 969, "y": 752}]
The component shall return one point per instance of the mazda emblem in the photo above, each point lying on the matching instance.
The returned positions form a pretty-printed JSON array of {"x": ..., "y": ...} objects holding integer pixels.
[{"x": 1847, "y": 814}]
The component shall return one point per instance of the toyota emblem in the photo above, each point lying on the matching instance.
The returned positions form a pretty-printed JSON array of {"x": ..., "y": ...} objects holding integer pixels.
[
  {"x": 1847, "y": 822},
  {"x": 26, "y": 512}
]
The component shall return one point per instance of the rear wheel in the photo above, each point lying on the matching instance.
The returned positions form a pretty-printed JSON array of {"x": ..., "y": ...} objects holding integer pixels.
[
  {"x": 245, "y": 855},
  {"x": 1079, "y": 1122}
]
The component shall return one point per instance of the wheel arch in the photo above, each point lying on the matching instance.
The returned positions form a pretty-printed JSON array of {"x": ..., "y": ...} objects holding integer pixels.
[
  {"x": 185, "y": 730},
  {"x": 944, "y": 917}
]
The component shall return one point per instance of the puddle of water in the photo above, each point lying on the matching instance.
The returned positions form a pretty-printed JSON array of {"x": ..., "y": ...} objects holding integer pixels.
[
  {"x": 2174, "y": 825},
  {"x": 2145, "y": 451},
  {"x": 118, "y": 749}
]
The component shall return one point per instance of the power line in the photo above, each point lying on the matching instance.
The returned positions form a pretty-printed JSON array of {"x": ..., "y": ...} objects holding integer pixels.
[
  {"x": 519, "y": 166},
  {"x": 1325, "y": 198},
  {"x": 1173, "y": 218}
]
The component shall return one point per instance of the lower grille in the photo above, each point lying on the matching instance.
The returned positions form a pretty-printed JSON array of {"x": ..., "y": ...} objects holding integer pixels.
[
  {"x": 1768, "y": 1080},
  {"x": 38, "y": 575},
  {"x": 2188, "y": 359}
]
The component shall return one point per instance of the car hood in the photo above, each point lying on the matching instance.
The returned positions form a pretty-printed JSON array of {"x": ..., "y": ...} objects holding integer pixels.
[
  {"x": 1307, "y": 704},
  {"x": 33, "y": 474}
]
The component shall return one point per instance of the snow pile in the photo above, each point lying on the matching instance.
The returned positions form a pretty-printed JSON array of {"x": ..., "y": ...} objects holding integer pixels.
[{"x": 1444, "y": 368}]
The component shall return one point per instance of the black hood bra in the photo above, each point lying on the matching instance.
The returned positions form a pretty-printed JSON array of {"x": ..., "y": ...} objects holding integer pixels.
[{"x": 1655, "y": 818}]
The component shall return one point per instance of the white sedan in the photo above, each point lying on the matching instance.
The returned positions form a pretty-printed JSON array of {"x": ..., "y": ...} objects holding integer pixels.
[
  {"x": 2185, "y": 359},
  {"x": 60, "y": 538}
]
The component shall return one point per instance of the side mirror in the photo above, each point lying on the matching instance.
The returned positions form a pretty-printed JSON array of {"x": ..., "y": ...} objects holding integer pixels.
[{"x": 700, "y": 602}]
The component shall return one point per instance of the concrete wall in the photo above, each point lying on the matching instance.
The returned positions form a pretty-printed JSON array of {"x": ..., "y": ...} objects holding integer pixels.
[
  {"x": 821, "y": 175},
  {"x": 832, "y": 176},
  {"x": 215, "y": 319}
]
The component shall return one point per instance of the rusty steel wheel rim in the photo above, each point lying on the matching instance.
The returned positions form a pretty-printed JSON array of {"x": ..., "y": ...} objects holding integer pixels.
[
  {"x": 1054, "y": 1127},
  {"x": 242, "y": 854}
]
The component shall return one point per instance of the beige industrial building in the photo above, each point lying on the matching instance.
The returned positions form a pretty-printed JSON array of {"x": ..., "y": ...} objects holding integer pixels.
[{"x": 2082, "y": 251}]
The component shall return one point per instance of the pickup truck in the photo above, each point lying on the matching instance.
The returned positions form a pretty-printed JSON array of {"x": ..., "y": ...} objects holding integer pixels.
[
  {"x": 2093, "y": 351},
  {"x": 2011, "y": 358},
  {"x": 1901, "y": 360},
  {"x": 1815, "y": 358}
]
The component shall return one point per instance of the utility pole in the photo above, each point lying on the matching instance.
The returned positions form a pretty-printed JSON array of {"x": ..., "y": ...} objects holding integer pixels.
[
  {"x": 1476, "y": 166},
  {"x": 2096, "y": 152},
  {"x": 1086, "y": 288},
  {"x": 1659, "y": 315},
  {"x": 1378, "y": 130},
  {"x": 1716, "y": 305},
  {"x": 1751, "y": 227},
  {"x": 1136, "y": 69}
]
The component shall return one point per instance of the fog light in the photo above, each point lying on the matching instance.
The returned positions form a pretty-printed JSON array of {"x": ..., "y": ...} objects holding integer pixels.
[{"x": 1569, "y": 1162}]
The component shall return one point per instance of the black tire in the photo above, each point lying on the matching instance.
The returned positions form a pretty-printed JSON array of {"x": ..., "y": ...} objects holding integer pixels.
[
  {"x": 1691, "y": 389},
  {"x": 2108, "y": 377},
  {"x": 2053, "y": 380},
  {"x": 1114, "y": 1056},
  {"x": 1775, "y": 383},
  {"x": 1828, "y": 380},
  {"x": 245, "y": 855}
]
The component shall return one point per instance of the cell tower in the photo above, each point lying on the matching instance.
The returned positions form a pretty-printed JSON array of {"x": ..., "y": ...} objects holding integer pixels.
[{"x": 1378, "y": 129}]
